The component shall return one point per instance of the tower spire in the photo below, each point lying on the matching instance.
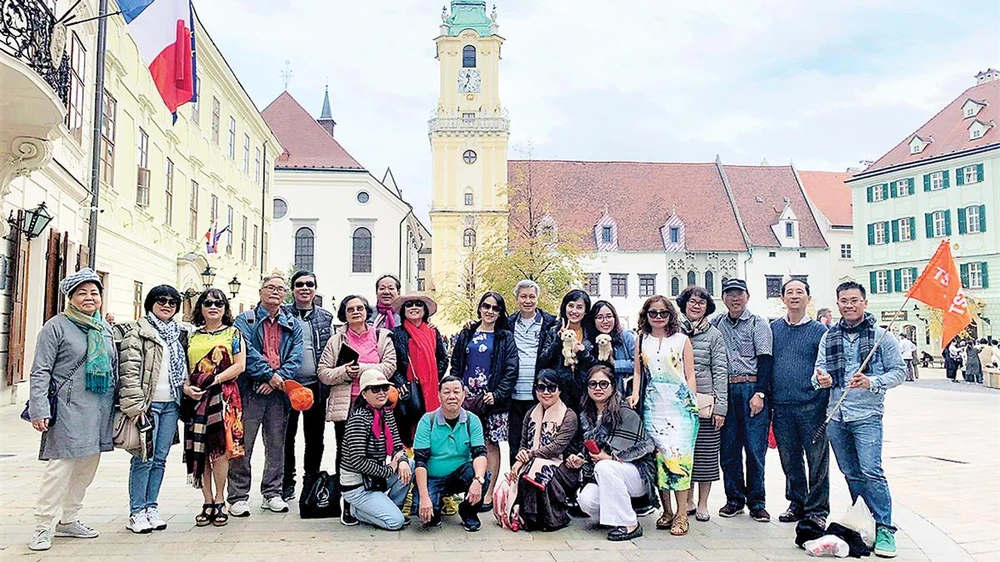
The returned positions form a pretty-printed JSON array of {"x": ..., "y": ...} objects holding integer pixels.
[{"x": 326, "y": 114}]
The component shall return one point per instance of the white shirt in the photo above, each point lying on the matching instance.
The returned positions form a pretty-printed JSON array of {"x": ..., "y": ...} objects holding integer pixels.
[
  {"x": 162, "y": 391},
  {"x": 906, "y": 348}
]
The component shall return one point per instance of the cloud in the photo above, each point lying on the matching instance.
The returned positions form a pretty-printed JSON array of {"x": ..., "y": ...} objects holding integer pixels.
[{"x": 824, "y": 84}]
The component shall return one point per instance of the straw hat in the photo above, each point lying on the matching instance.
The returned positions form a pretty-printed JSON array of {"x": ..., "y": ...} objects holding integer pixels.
[{"x": 397, "y": 303}]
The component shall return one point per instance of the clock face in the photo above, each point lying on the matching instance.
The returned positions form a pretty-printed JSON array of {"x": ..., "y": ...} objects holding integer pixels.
[{"x": 468, "y": 80}]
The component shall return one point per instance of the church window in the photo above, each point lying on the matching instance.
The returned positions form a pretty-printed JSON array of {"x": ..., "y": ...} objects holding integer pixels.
[
  {"x": 280, "y": 208},
  {"x": 692, "y": 278},
  {"x": 468, "y": 198},
  {"x": 469, "y": 57},
  {"x": 469, "y": 238},
  {"x": 361, "y": 251},
  {"x": 363, "y": 197},
  {"x": 675, "y": 286},
  {"x": 305, "y": 244},
  {"x": 469, "y": 156},
  {"x": 710, "y": 282}
]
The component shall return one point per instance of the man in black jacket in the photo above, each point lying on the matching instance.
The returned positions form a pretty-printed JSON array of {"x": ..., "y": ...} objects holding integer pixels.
[{"x": 532, "y": 329}]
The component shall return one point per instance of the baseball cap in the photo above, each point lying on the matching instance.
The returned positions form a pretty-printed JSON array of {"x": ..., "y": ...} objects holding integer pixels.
[
  {"x": 372, "y": 377},
  {"x": 300, "y": 396},
  {"x": 734, "y": 284}
]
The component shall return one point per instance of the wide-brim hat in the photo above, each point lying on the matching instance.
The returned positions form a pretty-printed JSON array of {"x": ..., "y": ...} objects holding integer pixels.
[{"x": 397, "y": 303}]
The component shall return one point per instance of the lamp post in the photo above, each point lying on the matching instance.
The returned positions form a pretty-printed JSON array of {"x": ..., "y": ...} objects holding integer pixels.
[
  {"x": 234, "y": 286},
  {"x": 34, "y": 223},
  {"x": 208, "y": 276}
]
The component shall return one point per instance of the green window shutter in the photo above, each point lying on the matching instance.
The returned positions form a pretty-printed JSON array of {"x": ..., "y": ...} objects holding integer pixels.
[
  {"x": 885, "y": 191},
  {"x": 985, "y": 275},
  {"x": 892, "y": 190},
  {"x": 895, "y": 231},
  {"x": 929, "y": 223},
  {"x": 871, "y": 193},
  {"x": 913, "y": 228},
  {"x": 959, "y": 176},
  {"x": 897, "y": 280},
  {"x": 871, "y": 234},
  {"x": 947, "y": 222},
  {"x": 982, "y": 218},
  {"x": 927, "y": 182},
  {"x": 963, "y": 272},
  {"x": 911, "y": 182},
  {"x": 961, "y": 220},
  {"x": 944, "y": 178},
  {"x": 873, "y": 282},
  {"x": 913, "y": 274},
  {"x": 979, "y": 172}
]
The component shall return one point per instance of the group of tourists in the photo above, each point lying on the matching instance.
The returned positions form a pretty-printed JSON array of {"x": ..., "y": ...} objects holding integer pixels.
[
  {"x": 601, "y": 421},
  {"x": 975, "y": 359}
]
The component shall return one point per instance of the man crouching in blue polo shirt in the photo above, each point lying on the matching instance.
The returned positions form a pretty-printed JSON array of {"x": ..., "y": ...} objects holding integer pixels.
[{"x": 450, "y": 457}]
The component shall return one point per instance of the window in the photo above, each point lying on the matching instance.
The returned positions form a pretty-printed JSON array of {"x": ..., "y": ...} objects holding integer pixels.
[
  {"x": 675, "y": 235},
  {"x": 937, "y": 181},
  {"x": 675, "y": 286},
  {"x": 421, "y": 285},
  {"x": 196, "y": 104},
  {"x": 710, "y": 282},
  {"x": 253, "y": 256},
  {"x": 469, "y": 238},
  {"x": 232, "y": 138},
  {"x": 619, "y": 284},
  {"x": 975, "y": 132},
  {"x": 802, "y": 255},
  {"x": 468, "y": 117},
  {"x": 256, "y": 166},
  {"x": 606, "y": 233},
  {"x": 882, "y": 281},
  {"x": 877, "y": 193},
  {"x": 905, "y": 233},
  {"x": 772, "y": 254},
  {"x": 142, "y": 182},
  {"x": 168, "y": 195},
  {"x": 647, "y": 285},
  {"x": 243, "y": 240},
  {"x": 263, "y": 249},
  {"x": 363, "y": 197},
  {"x": 304, "y": 248},
  {"x": 970, "y": 174},
  {"x": 974, "y": 222},
  {"x": 216, "y": 116},
  {"x": 214, "y": 211},
  {"x": 361, "y": 251},
  {"x": 592, "y": 284},
  {"x": 773, "y": 286},
  {"x": 692, "y": 279},
  {"x": 970, "y": 110},
  {"x": 976, "y": 275},
  {"x": 77, "y": 73},
  {"x": 940, "y": 224},
  {"x": 230, "y": 217},
  {"x": 468, "y": 198},
  {"x": 469, "y": 156},
  {"x": 137, "y": 308},
  {"x": 469, "y": 57},
  {"x": 421, "y": 264},
  {"x": 110, "y": 107},
  {"x": 246, "y": 154},
  {"x": 193, "y": 208},
  {"x": 803, "y": 278},
  {"x": 845, "y": 251},
  {"x": 789, "y": 230},
  {"x": 880, "y": 237},
  {"x": 902, "y": 188},
  {"x": 905, "y": 278},
  {"x": 280, "y": 208}
]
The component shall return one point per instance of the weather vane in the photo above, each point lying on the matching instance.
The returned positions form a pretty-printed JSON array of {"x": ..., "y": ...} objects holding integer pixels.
[{"x": 287, "y": 74}]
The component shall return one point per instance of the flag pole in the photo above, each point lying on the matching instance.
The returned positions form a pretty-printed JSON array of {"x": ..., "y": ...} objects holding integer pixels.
[
  {"x": 821, "y": 430},
  {"x": 95, "y": 156}
]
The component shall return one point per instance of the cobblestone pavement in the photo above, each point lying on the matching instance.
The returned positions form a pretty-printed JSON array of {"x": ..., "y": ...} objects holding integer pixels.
[{"x": 942, "y": 456}]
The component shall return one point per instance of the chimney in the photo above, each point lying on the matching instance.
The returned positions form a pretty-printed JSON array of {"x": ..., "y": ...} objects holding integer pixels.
[
  {"x": 326, "y": 116},
  {"x": 988, "y": 75}
]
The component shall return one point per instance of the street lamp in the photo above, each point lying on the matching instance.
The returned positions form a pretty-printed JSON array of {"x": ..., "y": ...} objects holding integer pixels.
[
  {"x": 234, "y": 286},
  {"x": 33, "y": 223},
  {"x": 208, "y": 276}
]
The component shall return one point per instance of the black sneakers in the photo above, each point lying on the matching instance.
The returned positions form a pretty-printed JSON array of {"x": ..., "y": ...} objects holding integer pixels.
[
  {"x": 760, "y": 515},
  {"x": 470, "y": 517},
  {"x": 730, "y": 510},
  {"x": 791, "y": 515}
]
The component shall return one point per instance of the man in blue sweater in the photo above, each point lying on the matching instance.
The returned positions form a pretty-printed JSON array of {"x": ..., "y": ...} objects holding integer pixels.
[{"x": 799, "y": 409}]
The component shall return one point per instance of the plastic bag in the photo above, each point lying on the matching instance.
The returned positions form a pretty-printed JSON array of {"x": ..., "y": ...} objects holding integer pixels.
[
  {"x": 827, "y": 546},
  {"x": 505, "y": 503},
  {"x": 859, "y": 518}
]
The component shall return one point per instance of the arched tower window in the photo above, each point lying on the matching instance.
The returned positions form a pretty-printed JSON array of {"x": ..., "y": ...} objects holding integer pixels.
[
  {"x": 710, "y": 282},
  {"x": 361, "y": 251},
  {"x": 469, "y": 57},
  {"x": 675, "y": 287},
  {"x": 305, "y": 248},
  {"x": 469, "y": 238}
]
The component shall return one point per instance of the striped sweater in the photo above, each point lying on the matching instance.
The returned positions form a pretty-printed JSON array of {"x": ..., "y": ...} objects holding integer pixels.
[{"x": 365, "y": 454}]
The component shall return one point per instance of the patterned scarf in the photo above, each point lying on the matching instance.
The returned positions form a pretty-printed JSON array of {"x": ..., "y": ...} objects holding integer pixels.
[
  {"x": 170, "y": 334},
  {"x": 98, "y": 357},
  {"x": 389, "y": 313},
  {"x": 693, "y": 329},
  {"x": 835, "y": 346}
]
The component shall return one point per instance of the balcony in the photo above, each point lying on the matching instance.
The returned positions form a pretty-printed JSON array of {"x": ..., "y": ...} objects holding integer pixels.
[{"x": 469, "y": 123}]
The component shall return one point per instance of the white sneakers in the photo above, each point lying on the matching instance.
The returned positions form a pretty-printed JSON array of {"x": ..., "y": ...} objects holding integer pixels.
[
  {"x": 75, "y": 530},
  {"x": 138, "y": 523},
  {"x": 239, "y": 509},
  {"x": 157, "y": 522},
  {"x": 275, "y": 504},
  {"x": 41, "y": 540}
]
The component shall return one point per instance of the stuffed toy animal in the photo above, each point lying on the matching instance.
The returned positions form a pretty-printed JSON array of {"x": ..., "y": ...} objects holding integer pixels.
[
  {"x": 569, "y": 342},
  {"x": 604, "y": 349}
]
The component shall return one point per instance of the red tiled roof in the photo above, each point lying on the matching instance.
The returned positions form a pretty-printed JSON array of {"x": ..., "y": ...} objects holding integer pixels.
[
  {"x": 306, "y": 143},
  {"x": 950, "y": 129},
  {"x": 830, "y": 194},
  {"x": 639, "y": 196},
  {"x": 771, "y": 185}
]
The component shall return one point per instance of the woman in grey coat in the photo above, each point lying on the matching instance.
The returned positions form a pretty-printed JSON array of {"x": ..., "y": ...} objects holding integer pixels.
[
  {"x": 711, "y": 367},
  {"x": 76, "y": 363}
]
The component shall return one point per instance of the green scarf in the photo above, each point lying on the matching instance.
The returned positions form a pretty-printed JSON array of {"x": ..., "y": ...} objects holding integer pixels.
[{"x": 98, "y": 358}]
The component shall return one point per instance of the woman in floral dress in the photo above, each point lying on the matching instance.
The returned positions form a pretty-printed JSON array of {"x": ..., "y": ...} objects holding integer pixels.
[{"x": 665, "y": 359}]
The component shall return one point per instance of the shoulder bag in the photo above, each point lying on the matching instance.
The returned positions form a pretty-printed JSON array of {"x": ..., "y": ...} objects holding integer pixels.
[{"x": 53, "y": 395}]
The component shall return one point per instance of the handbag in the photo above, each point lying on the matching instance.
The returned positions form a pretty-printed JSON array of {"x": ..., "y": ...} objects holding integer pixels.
[
  {"x": 373, "y": 484},
  {"x": 320, "y": 497},
  {"x": 411, "y": 396},
  {"x": 126, "y": 434},
  {"x": 476, "y": 404},
  {"x": 53, "y": 396},
  {"x": 706, "y": 404}
]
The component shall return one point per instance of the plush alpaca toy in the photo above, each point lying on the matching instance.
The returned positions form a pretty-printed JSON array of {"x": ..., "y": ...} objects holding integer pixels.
[
  {"x": 569, "y": 342},
  {"x": 604, "y": 350}
]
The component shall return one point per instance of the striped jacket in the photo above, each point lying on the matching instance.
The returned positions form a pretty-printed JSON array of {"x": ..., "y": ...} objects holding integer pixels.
[{"x": 365, "y": 454}]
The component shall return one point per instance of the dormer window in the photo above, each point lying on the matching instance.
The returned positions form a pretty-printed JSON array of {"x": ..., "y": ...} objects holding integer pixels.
[
  {"x": 606, "y": 234},
  {"x": 971, "y": 108},
  {"x": 675, "y": 235},
  {"x": 917, "y": 144},
  {"x": 978, "y": 129}
]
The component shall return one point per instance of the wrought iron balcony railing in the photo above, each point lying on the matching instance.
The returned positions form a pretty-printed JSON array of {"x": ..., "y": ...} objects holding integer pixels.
[{"x": 28, "y": 32}]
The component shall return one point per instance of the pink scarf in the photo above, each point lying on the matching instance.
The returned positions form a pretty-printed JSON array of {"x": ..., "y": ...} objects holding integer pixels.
[
  {"x": 389, "y": 313},
  {"x": 379, "y": 429}
]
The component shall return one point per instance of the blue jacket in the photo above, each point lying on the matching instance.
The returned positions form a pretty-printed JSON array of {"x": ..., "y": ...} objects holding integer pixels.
[{"x": 251, "y": 325}]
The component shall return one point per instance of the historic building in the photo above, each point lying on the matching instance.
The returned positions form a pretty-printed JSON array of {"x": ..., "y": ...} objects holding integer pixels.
[
  {"x": 165, "y": 187},
  {"x": 332, "y": 216},
  {"x": 830, "y": 199},
  {"x": 940, "y": 182}
]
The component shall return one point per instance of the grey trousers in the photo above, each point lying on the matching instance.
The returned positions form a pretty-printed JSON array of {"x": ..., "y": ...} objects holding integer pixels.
[{"x": 270, "y": 414}]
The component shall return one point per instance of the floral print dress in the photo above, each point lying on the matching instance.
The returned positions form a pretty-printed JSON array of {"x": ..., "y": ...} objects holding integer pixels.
[
  {"x": 671, "y": 411},
  {"x": 479, "y": 359}
]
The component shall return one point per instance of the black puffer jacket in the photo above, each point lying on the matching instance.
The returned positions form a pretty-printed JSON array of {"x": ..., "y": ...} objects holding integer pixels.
[
  {"x": 572, "y": 382},
  {"x": 503, "y": 364}
]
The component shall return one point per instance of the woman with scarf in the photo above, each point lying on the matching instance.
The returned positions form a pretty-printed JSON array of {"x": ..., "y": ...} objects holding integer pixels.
[
  {"x": 72, "y": 397},
  {"x": 546, "y": 481},
  {"x": 152, "y": 360},
  {"x": 711, "y": 373},
  {"x": 618, "y": 458},
  {"x": 605, "y": 320},
  {"x": 375, "y": 472},
  {"x": 420, "y": 357},
  {"x": 574, "y": 316},
  {"x": 213, "y": 411}
]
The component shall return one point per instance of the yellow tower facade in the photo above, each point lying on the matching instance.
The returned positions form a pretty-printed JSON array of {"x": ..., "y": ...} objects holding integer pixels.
[{"x": 468, "y": 135}]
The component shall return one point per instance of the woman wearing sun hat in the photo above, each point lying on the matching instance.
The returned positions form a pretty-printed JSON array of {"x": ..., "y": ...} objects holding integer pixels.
[
  {"x": 76, "y": 370},
  {"x": 420, "y": 356}
]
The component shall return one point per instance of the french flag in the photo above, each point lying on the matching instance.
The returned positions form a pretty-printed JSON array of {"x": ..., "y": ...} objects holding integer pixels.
[{"x": 163, "y": 31}]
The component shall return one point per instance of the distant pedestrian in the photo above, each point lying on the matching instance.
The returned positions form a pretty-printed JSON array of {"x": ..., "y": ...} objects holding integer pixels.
[
  {"x": 907, "y": 349},
  {"x": 825, "y": 317},
  {"x": 952, "y": 360},
  {"x": 973, "y": 367}
]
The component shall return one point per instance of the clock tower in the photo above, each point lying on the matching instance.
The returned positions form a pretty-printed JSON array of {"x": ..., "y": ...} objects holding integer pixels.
[{"x": 468, "y": 134}]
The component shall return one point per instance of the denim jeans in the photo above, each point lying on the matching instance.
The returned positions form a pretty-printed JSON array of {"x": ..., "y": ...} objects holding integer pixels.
[
  {"x": 858, "y": 447},
  {"x": 794, "y": 425},
  {"x": 145, "y": 477},
  {"x": 382, "y": 509},
  {"x": 744, "y": 433},
  {"x": 457, "y": 482}
]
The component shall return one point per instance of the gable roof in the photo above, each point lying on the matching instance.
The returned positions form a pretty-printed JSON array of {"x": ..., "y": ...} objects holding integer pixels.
[
  {"x": 639, "y": 196},
  {"x": 830, "y": 195},
  {"x": 949, "y": 129},
  {"x": 761, "y": 193},
  {"x": 307, "y": 145}
]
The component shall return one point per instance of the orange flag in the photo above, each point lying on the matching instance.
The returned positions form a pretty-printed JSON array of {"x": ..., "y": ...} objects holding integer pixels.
[{"x": 940, "y": 286}]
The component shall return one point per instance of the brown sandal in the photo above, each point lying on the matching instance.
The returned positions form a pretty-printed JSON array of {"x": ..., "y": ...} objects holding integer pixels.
[
  {"x": 680, "y": 526},
  {"x": 665, "y": 521}
]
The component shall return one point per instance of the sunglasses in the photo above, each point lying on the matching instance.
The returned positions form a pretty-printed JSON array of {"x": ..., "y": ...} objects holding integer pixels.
[
  {"x": 658, "y": 313},
  {"x": 380, "y": 389},
  {"x": 300, "y": 284},
  {"x": 602, "y": 384},
  {"x": 213, "y": 304},
  {"x": 546, "y": 388},
  {"x": 413, "y": 304},
  {"x": 488, "y": 306},
  {"x": 164, "y": 301}
]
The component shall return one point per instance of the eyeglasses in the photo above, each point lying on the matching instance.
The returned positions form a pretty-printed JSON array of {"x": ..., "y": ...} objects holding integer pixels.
[
  {"x": 214, "y": 304},
  {"x": 605, "y": 318},
  {"x": 275, "y": 288},
  {"x": 488, "y": 306},
  {"x": 380, "y": 389},
  {"x": 413, "y": 304},
  {"x": 695, "y": 302},
  {"x": 601, "y": 384},
  {"x": 657, "y": 313},
  {"x": 546, "y": 388},
  {"x": 300, "y": 284},
  {"x": 168, "y": 302}
]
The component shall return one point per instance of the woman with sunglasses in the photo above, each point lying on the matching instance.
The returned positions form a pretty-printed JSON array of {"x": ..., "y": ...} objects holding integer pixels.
[
  {"x": 485, "y": 356},
  {"x": 213, "y": 410},
  {"x": 546, "y": 481},
  {"x": 374, "y": 350},
  {"x": 574, "y": 316},
  {"x": 617, "y": 458},
  {"x": 665, "y": 361},
  {"x": 420, "y": 357},
  {"x": 605, "y": 320},
  {"x": 152, "y": 363}
]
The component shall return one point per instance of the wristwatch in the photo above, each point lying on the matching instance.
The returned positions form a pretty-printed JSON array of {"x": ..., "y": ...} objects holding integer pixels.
[
  {"x": 480, "y": 479},
  {"x": 759, "y": 395}
]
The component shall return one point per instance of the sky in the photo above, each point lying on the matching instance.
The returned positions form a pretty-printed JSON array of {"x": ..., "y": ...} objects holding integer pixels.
[{"x": 825, "y": 85}]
